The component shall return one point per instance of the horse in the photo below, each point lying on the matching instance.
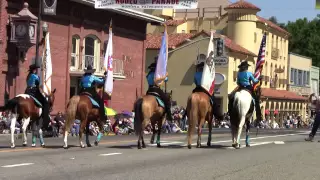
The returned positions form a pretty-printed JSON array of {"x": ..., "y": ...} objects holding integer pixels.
[
  {"x": 149, "y": 108},
  {"x": 241, "y": 113},
  {"x": 25, "y": 108},
  {"x": 199, "y": 110},
  {"x": 81, "y": 107}
]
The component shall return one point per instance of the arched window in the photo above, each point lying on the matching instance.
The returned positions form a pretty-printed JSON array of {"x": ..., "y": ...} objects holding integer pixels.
[
  {"x": 91, "y": 52},
  {"x": 75, "y": 52}
]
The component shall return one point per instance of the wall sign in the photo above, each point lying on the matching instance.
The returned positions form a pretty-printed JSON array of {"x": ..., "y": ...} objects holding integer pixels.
[
  {"x": 49, "y": 7},
  {"x": 221, "y": 61}
]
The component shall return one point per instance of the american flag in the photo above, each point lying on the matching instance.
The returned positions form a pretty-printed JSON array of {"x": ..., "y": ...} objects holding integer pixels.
[{"x": 260, "y": 60}]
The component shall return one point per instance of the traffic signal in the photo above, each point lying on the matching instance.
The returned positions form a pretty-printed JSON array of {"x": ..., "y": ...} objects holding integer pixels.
[{"x": 220, "y": 47}]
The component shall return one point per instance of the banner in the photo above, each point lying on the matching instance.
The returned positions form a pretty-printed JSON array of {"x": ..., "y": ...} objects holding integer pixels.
[
  {"x": 47, "y": 66},
  {"x": 161, "y": 69},
  {"x": 146, "y": 4},
  {"x": 208, "y": 75},
  {"x": 107, "y": 64}
]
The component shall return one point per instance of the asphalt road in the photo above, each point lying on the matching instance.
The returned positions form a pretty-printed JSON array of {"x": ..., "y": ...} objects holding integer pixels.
[{"x": 275, "y": 154}]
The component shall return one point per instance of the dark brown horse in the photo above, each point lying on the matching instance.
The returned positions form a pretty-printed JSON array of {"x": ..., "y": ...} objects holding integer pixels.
[
  {"x": 23, "y": 109},
  {"x": 80, "y": 107},
  {"x": 198, "y": 111},
  {"x": 147, "y": 110}
]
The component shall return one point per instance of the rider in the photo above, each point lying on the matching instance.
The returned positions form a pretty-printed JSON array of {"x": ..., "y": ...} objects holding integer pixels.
[
  {"x": 197, "y": 82},
  {"x": 88, "y": 83},
  {"x": 154, "y": 88},
  {"x": 245, "y": 80},
  {"x": 33, "y": 89}
]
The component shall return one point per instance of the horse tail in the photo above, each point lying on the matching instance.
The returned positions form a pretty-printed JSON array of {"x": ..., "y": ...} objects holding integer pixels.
[
  {"x": 11, "y": 105},
  {"x": 236, "y": 106},
  {"x": 71, "y": 111},
  {"x": 138, "y": 116}
]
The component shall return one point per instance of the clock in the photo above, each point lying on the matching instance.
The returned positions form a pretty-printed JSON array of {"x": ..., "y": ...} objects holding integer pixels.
[
  {"x": 31, "y": 31},
  {"x": 21, "y": 30}
]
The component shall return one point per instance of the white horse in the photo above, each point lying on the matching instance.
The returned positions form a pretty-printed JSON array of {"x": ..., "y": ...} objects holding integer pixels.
[{"x": 242, "y": 111}]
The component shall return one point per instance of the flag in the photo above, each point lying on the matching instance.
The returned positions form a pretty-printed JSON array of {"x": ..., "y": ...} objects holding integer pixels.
[
  {"x": 107, "y": 64},
  {"x": 161, "y": 68},
  {"x": 208, "y": 75},
  {"x": 260, "y": 60},
  {"x": 47, "y": 66}
]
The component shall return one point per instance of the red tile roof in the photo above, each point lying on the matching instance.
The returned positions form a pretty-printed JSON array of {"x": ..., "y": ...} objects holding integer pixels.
[
  {"x": 176, "y": 22},
  {"x": 281, "y": 94},
  {"x": 242, "y": 5},
  {"x": 153, "y": 41},
  {"x": 272, "y": 25}
]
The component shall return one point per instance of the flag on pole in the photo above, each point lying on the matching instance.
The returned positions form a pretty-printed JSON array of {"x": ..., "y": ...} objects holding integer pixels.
[
  {"x": 260, "y": 61},
  {"x": 208, "y": 74},
  {"x": 47, "y": 66},
  {"x": 161, "y": 68},
  {"x": 107, "y": 64}
]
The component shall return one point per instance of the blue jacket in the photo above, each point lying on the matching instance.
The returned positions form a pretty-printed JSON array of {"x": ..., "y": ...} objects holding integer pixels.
[
  {"x": 87, "y": 81},
  {"x": 33, "y": 80},
  {"x": 197, "y": 78},
  {"x": 150, "y": 78},
  {"x": 245, "y": 78}
]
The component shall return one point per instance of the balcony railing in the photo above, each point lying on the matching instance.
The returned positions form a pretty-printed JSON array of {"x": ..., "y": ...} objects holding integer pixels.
[
  {"x": 77, "y": 66},
  {"x": 275, "y": 53}
]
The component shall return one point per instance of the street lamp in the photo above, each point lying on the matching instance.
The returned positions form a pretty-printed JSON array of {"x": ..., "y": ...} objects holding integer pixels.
[{"x": 44, "y": 29}]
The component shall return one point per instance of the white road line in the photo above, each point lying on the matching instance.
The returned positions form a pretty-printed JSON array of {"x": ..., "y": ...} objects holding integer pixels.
[
  {"x": 166, "y": 143},
  {"x": 109, "y": 154},
  {"x": 253, "y": 144},
  {"x": 278, "y": 142},
  {"x": 17, "y": 165}
]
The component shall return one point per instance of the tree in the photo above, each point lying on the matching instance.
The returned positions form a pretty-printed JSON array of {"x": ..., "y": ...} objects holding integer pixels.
[{"x": 273, "y": 19}]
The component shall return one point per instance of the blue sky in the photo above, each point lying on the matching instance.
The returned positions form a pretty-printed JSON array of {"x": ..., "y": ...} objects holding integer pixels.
[{"x": 286, "y": 10}]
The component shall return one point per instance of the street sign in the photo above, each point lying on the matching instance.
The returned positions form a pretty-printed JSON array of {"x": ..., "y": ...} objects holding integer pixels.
[{"x": 221, "y": 61}]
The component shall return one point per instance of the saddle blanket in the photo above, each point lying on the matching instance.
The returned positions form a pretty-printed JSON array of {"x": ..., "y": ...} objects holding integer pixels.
[
  {"x": 36, "y": 101},
  {"x": 94, "y": 102},
  {"x": 160, "y": 102}
]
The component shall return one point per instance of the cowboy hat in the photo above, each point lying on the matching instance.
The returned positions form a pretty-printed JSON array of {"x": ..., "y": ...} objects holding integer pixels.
[
  {"x": 32, "y": 67},
  {"x": 89, "y": 69},
  {"x": 244, "y": 64}
]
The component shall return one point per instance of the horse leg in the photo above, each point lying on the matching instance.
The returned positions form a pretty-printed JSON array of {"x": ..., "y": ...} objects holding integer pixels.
[
  {"x": 34, "y": 133},
  {"x": 65, "y": 138},
  {"x": 142, "y": 140},
  {"x": 233, "y": 134},
  {"x": 239, "y": 131},
  {"x": 139, "y": 138},
  {"x": 13, "y": 128},
  {"x": 41, "y": 137},
  {"x": 248, "y": 134},
  {"x": 210, "y": 131},
  {"x": 26, "y": 122},
  {"x": 200, "y": 124},
  {"x": 87, "y": 135},
  {"x": 100, "y": 134},
  {"x": 83, "y": 124},
  {"x": 159, "y": 131},
  {"x": 153, "y": 124}
]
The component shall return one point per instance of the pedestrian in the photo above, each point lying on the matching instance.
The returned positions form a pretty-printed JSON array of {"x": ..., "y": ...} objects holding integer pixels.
[
  {"x": 59, "y": 121},
  {"x": 316, "y": 123}
]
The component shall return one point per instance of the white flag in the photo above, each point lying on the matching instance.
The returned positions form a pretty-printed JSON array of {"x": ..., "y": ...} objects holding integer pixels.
[
  {"x": 107, "y": 64},
  {"x": 47, "y": 66}
]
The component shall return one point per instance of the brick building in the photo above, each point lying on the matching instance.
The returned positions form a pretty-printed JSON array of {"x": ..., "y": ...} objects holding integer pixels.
[{"x": 78, "y": 37}]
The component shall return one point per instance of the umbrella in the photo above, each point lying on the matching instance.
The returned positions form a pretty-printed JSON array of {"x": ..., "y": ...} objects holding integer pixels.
[
  {"x": 109, "y": 111},
  {"x": 128, "y": 113}
]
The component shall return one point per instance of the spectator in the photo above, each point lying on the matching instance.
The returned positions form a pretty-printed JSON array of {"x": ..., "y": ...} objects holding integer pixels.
[{"x": 59, "y": 122}]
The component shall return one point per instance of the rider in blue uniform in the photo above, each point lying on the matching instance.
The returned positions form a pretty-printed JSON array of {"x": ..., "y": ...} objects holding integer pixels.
[
  {"x": 197, "y": 82},
  {"x": 33, "y": 82},
  {"x": 88, "y": 83},
  {"x": 156, "y": 89},
  {"x": 246, "y": 80}
]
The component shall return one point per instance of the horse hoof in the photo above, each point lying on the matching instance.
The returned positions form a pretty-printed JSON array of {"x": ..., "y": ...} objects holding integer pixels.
[
  {"x": 24, "y": 145},
  {"x": 82, "y": 146},
  {"x": 89, "y": 145},
  {"x": 65, "y": 147},
  {"x": 158, "y": 145},
  {"x": 209, "y": 144},
  {"x": 144, "y": 146},
  {"x": 33, "y": 145},
  {"x": 151, "y": 142},
  {"x": 189, "y": 146},
  {"x": 43, "y": 145},
  {"x": 238, "y": 146},
  {"x": 139, "y": 147},
  {"x": 96, "y": 143},
  {"x": 13, "y": 147},
  {"x": 248, "y": 145}
]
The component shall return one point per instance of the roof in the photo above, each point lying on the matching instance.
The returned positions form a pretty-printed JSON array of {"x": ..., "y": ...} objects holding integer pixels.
[
  {"x": 242, "y": 5},
  {"x": 127, "y": 12},
  {"x": 175, "y": 22},
  {"x": 281, "y": 94},
  {"x": 272, "y": 25},
  {"x": 153, "y": 41}
]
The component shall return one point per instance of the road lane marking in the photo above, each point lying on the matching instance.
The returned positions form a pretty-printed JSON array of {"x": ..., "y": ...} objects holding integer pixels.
[
  {"x": 166, "y": 143},
  {"x": 17, "y": 165},
  {"x": 253, "y": 144},
  {"x": 278, "y": 142},
  {"x": 110, "y": 154}
]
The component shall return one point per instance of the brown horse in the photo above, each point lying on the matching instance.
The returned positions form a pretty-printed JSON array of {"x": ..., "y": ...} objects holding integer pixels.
[
  {"x": 198, "y": 111},
  {"x": 24, "y": 110},
  {"x": 80, "y": 107},
  {"x": 147, "y": 109}
]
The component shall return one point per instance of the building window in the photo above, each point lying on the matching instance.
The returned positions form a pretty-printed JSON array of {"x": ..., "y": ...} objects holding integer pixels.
[
  {"x": 255, "y": 37},
  {"x": 299, "y": 77},
  {"x": 91, "y": 51},
  {"x": 277, "y": 42},
  {"x": 272, "y": 42},
  {"x": 308, "y": 78},
  {"x": 284, "y": 77},
  {"x": 75, "y": 52}
]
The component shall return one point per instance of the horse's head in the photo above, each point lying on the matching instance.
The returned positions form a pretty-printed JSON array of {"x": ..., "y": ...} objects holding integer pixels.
[{"x": 51, "y": 98}]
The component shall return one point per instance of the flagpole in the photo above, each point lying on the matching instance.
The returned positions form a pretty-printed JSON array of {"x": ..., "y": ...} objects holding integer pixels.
[{"x": 106, "y": 70}]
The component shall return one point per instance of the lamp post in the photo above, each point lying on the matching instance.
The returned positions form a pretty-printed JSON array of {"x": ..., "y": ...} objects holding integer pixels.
[{"x": 37, "y": 60}]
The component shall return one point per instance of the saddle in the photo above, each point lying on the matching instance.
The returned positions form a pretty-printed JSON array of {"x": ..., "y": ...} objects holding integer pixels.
[{"x": 95, "y": 104}]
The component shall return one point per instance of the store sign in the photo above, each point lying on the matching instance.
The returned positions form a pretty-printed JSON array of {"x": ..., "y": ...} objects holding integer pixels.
[
  {"x": 221, "y": 61},
  {"x": 49, "y": 7},
  {"x": 146, "y": 4}
]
